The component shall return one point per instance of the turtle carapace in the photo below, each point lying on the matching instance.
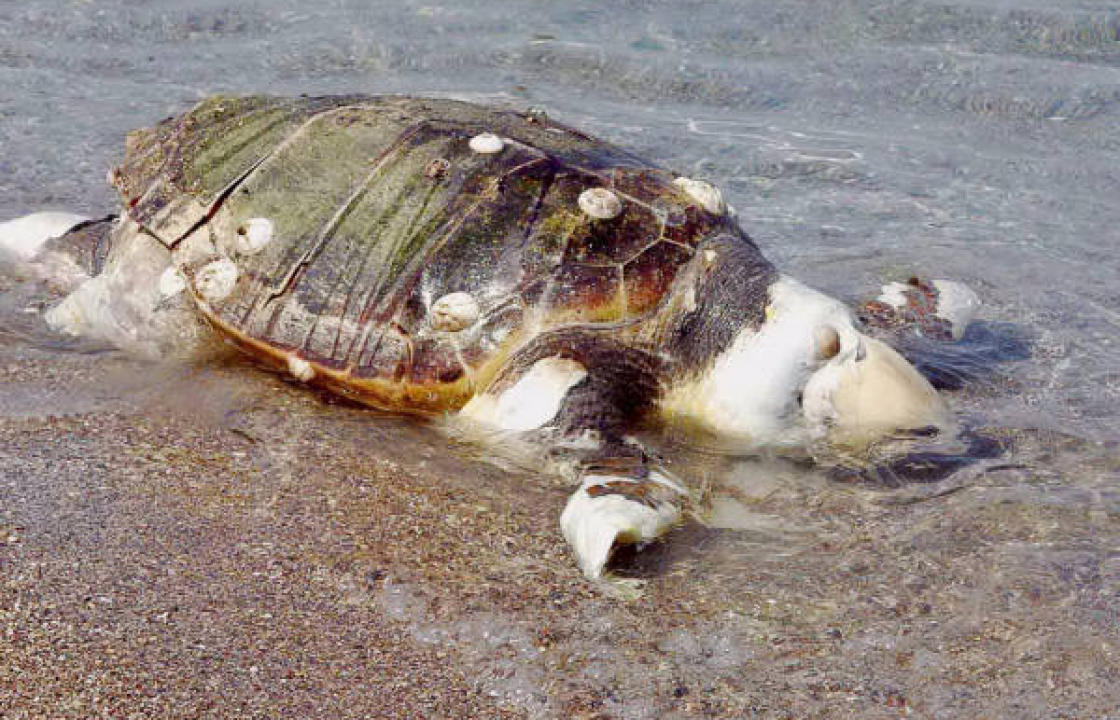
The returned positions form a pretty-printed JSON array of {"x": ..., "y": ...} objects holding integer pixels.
[{"x": 431, "y": 256}]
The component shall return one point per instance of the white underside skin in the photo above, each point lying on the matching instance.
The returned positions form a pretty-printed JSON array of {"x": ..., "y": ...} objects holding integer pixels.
[
  {"x": 751, "y": 391},
  {"x": 957, "y": 303},
  {"x": 532, "y": 401},
  {"x": 594, "y": 526},
  {"x": 894, "y": 294}
]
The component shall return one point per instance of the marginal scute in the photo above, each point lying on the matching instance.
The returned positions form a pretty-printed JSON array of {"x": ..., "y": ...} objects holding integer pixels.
[
  {"x": 433, "y": 361},
  {"x": 693, "y": 224}
]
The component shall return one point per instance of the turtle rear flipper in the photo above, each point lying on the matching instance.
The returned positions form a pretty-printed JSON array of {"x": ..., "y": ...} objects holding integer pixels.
[
  {"x": 123, "y": 291},
  {"x": 24, "y": 238},
  {"x": 609, "y": 510}
]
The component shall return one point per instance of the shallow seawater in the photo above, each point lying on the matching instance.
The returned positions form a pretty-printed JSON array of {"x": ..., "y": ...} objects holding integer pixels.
[{"x": 859, "y": 143}]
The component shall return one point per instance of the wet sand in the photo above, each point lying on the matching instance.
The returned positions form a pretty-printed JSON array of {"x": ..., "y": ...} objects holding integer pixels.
[{"x": 211, "y": 541}]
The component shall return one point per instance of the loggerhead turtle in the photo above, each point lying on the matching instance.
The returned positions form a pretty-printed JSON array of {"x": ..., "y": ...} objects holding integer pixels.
[{"x": 430, "y": 256}]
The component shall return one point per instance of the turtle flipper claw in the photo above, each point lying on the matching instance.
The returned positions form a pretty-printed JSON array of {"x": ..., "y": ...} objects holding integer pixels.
[{"x": 609, "y": 510}]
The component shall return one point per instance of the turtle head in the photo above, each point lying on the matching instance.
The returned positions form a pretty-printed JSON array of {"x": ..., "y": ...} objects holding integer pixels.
[
  {"x": 862, "y": 390},
  {"x": 808, "y": 373},
  {"x": 854, "y": 388}
]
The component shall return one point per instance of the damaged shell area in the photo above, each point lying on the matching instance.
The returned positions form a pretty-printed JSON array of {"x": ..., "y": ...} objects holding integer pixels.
[
  {"x": 600, "y": 203},
  {"x": 454, "y": 312},
  {"x": 705, "y": 194}
]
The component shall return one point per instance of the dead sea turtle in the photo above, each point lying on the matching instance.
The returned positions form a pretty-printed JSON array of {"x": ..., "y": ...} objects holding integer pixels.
[{"x": 432, "y": 256}]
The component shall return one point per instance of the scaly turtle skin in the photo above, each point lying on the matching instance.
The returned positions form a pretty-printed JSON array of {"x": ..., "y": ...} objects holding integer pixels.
[{"x": 429, "y": 256}]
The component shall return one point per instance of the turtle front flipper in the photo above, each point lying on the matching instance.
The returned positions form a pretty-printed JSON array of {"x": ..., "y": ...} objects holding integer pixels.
[
  {"x": 935, "y": 309},
  {"x": 581, "y": 392}
]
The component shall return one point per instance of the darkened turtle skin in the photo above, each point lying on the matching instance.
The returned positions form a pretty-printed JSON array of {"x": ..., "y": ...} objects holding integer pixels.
[{"x": 379, "y": 206}]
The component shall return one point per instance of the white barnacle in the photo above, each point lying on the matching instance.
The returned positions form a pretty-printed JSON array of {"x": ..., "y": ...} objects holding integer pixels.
[
  {"x": 254, "y": 235},
  {"x": 486, "y": 143},
  {"x": 600, "y": 203},
  {"x": 216, "y": 280},
  {"x": 454, "y": 311},
  {"x": 708, "y": 195},
  {"x": 300, "y": 369},
  {"x": 171, "y": 282}
]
